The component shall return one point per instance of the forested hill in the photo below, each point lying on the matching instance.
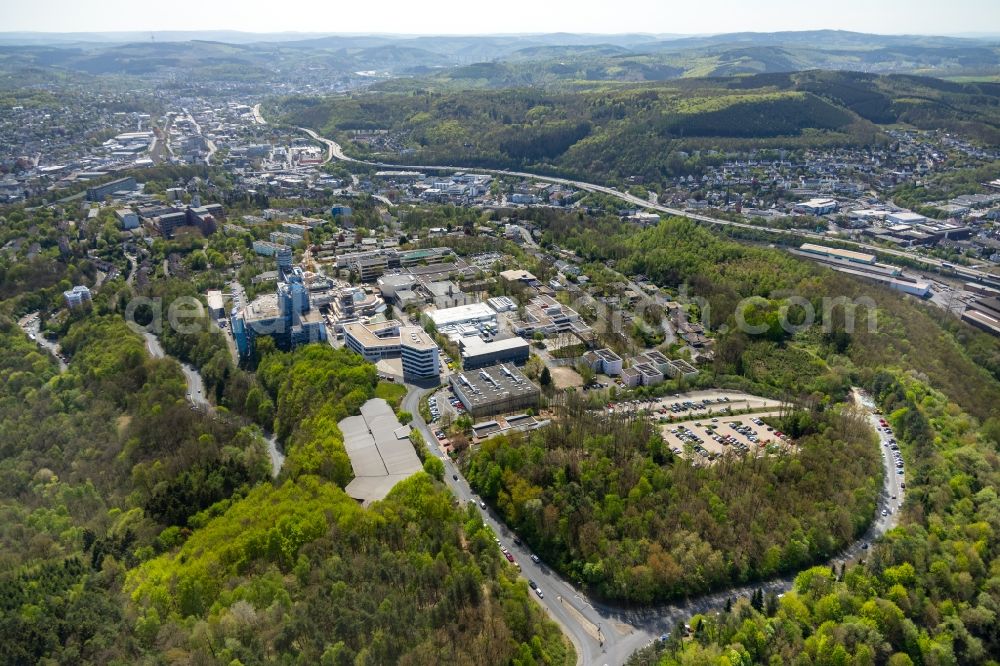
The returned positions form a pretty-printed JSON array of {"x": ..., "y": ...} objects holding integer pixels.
[
  {"x": 492, "y": 60},
  {"x": 609, "y": 132},
  {"x": 135, "y": 527}
]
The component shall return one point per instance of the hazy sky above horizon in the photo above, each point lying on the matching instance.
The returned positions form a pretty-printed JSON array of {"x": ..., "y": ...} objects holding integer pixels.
[{"x": 509, "y": 16}]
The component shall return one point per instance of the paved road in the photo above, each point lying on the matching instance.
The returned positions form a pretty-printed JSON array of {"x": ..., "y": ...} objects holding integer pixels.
[
  {"x": 625, "y": 630},
  {"x": 195, "y": 386},
  {"x": 332, "y": 147},
  {"x": 133, "y": 266},
  {"x": 587, "y": 649},
  {"x": 31, "y": 325},
  {"x": 196, "y": 395},
  {"x": 334, "y": 150},
  {"x": 257, "y": 118}
]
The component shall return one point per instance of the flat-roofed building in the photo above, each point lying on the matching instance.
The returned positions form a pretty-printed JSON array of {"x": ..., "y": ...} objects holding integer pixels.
[
  {"x": 98, "y": 192},
  {"x": 837, "y": 253},
  {"x": 654, "y": 358},
  {"x": 548, "y": 316},
  {"x": 390, "y": 285},
  {"x": 502, "y": 304},
  {"x": 681, "y": 368},
  {"x": 284, "y": 238},
  {"x": 419, "y": 353},
  {"x": 477, "y": 353},
  {"x": 286, "y": 316},
  {"x": 370, "y": 268},
  {"x": 167, "y": 223},
  {"x": 604, "y": 361},
  {"x": 983, "y": 320},
  {"x": 631, "y": 377},
  {"x": 295, "y": 229},
  {"x": 495, "y": 389},
  {"x": 350, "y": 304},
  {"x": 651, "y": 375},
  {"x": 474, "y": 313},
  {"x": 817, "y": 206},
  {"x": 266, "y": 248},
  {"x": 127, "y": 218},
  {"x": 517, "y": 275},
  {"x": 216, "y": 304},
  {"x": 427, "y": 256},
  {"x": 905, "y": 217},
  {"x": 373, "y": 341}
]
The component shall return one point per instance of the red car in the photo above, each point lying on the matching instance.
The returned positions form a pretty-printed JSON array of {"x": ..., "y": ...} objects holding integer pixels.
[{"x": 510, "y": 558}]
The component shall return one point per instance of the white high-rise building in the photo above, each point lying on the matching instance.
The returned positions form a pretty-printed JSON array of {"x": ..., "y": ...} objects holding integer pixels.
[{"x": 77, "y": 296}]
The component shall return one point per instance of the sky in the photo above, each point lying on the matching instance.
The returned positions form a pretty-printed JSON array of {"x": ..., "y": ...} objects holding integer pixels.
[{"x": 504, "y": 16}]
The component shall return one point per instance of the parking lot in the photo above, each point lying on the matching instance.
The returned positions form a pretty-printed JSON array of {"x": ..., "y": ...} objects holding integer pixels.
[
  {"x": 698, "y": 403},
  {"x": 444, "y": 408},
  {"x": 705, "y": 440}
]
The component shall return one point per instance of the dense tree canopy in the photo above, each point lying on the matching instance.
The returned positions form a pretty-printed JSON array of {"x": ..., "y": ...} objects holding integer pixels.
[
  {"x": 604, "y": 501},
  {"x": 929, "y": 593}
]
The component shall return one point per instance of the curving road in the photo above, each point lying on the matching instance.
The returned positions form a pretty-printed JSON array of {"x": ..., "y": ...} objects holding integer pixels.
[
  {"x": 334, "y": 151},
  {"x": 605, "y": 633},
  {"x": 196, "y": 396},
  {"x": 609, "y": 634},
  {"x": 257, "y": 118},
  {"x": 195, "y": 386},
  {"x": 31, "y": 325}
]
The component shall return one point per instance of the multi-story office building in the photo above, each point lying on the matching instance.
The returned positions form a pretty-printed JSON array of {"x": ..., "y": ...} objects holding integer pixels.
[
  {"x": 268, "y": 249},
  {"x": 421, "y": 358},
  {"x": 418, "y": 351},
  {"x": 284, "y": 256},
  {"x": 286, "y": 316}
]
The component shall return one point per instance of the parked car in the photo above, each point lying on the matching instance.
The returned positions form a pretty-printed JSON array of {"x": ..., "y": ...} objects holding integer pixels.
[{"x": 535, "y": 559}]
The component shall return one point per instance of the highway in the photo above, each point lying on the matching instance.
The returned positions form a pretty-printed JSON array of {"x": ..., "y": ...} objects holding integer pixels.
[
  {"x": 334, "y": 151},
  {"x": 609, "y": 634},
  {"x": 257, "y": 118}
]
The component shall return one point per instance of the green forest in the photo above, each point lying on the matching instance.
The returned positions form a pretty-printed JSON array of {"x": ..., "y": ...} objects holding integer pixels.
[
  {"x": 610, "y": 132},
  {"x": 816, "y": 365},
  {"x": 604, "y": 501},
  {"x": 928, "y": 593},
  {"x": 136, "y": 529}
]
